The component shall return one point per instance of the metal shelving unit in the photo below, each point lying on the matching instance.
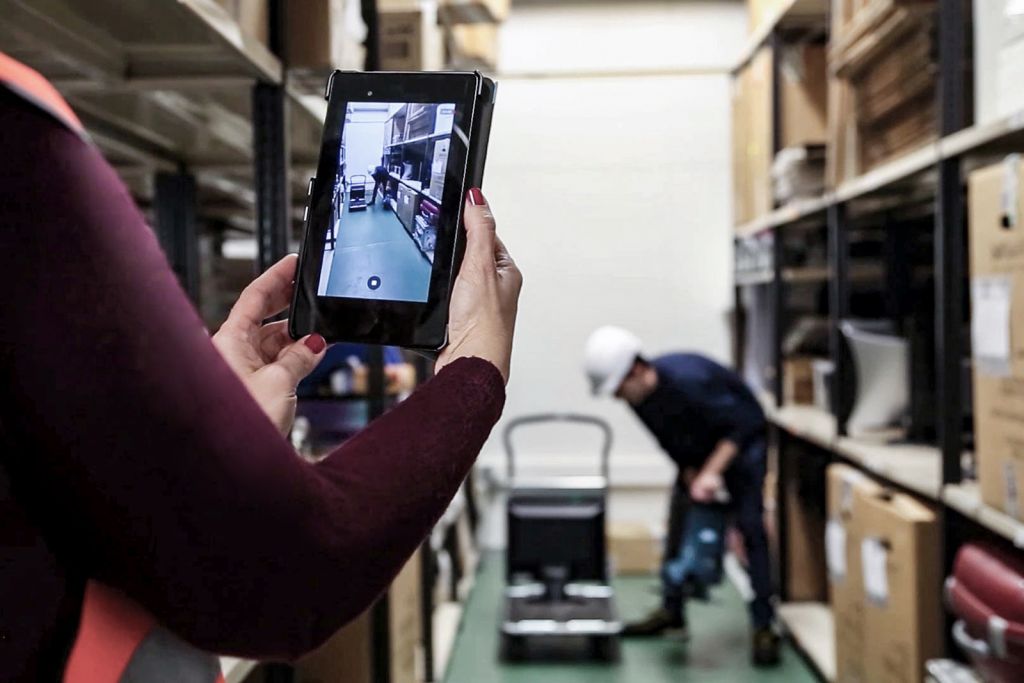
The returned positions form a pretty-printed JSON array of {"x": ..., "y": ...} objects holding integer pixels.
[{"x": 932, "y": 176}]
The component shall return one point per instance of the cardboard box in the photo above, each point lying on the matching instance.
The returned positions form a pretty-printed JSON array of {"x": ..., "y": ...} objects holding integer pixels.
[
  {"x": 253, "y": 17},
  {"x": 347, "y": 656},
  {"x": 806, "y": 573},
  {"x": 843, "y": 536},
  {"x": 322, "y": 35},
  {"x": 635, "y": 548},
  {"x": 803, "y": 91},
  {"x": 798, "y": 381},
  {"x": 901, "y": 565},
  {"x": 760, "y": 12},
  {"x": 474, "y": 11},
  {"x": 996, "y": 206},
  {"x": 803, "y": 106},
  {"x": 998, "y": 60},
  {"x": 410, "y": 40},
  {"x": 473, "y": 46}
]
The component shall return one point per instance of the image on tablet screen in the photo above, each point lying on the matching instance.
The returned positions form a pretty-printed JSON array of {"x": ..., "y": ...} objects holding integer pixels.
[{"x": 386, "y": 201}]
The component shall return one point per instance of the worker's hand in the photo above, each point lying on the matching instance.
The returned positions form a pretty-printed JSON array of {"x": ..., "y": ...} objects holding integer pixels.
[
  {"x": 482, "y": 316},
  {"x": 705, "y": 487},
  {"x": 264, "y": 357}
]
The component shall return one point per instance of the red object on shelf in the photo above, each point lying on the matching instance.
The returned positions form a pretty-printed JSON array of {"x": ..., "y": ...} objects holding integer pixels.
[{"x": 986, "y": 593}]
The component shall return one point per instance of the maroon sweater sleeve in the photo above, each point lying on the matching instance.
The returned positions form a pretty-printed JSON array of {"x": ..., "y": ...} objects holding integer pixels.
[{"x": 144, "y": 460}]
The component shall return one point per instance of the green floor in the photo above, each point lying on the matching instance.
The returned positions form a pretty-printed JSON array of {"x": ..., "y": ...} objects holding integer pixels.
[
  {"x": 372, "y": 243},
  {"x": 717, "y": 652}
]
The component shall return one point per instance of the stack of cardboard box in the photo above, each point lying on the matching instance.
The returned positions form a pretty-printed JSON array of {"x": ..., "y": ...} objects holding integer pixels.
[
  {"x": 996, "y": 196},
  {"x": 802, "y": 112},
  {"x": 883, "y": 56},
  {"x": 253, "y": 17},
  {"x": 323, "y": 35},
  {"x": 410, "y": 39},
  {"x": 885, "y": 573},
  {"x": 472, "y": 31}
]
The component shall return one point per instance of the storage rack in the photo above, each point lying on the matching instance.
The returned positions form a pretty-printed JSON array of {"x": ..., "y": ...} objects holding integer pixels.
[
  {"x": 418, "y": 149},
  {"x": 932, "y": 175}
]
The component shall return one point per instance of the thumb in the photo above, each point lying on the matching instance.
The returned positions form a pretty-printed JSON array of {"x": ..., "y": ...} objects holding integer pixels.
[
  {"x": 480, "y": 230},
  {"x": 299, "y": 358}
]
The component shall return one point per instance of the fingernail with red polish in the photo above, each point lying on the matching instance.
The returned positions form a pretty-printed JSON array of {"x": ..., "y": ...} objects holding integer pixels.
[
  {"x": 476, "y": 197},
  {"x": 315, "y": 343}
]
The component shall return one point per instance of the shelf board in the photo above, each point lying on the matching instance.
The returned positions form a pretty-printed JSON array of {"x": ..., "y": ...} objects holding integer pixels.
[
  {"x": 965, "y": 498},
  {"x": 422, "y": 138},
  {"x": 889, "y": 174},
  {"x": 917, "y": 468},
  {"x": 786, "y": 215},
  {"x": 160, "y": 83},
  {"x": 1003, "y": 135},
  {"x": 447, "y": 619},
  {"x": 791, "y": 14},
  {"x": 810, "y": 625},
  {"x": 236, "y": 670},
  {"x": 807, "y": 422}
]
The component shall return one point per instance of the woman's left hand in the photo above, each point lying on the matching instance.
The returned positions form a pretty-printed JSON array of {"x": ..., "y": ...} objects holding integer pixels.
[{"x": 266, "y": 359}]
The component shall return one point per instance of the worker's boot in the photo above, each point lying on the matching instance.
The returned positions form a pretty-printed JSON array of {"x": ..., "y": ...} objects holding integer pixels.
[
  {"x": 765, "y": 647},
  {"x": 660, "y": 622}
]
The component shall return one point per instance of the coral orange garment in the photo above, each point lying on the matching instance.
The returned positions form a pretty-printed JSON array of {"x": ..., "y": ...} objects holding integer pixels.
[
  {"x": 118, "y": 641},
  {"x": 33, "y": 87}
]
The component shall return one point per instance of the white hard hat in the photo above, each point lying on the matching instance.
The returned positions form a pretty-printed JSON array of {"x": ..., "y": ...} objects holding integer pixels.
[{"x": 608, "y": 357}]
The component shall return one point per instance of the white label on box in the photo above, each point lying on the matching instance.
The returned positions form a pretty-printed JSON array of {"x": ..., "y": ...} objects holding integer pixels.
[
  {"x": 873, "y": 557},
  {"x": 990, "y": 323},
  {"x": 835, "y": 549}
]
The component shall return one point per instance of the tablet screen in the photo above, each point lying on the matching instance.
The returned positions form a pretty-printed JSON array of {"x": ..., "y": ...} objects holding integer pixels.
[{"x": 386, "y": 201}]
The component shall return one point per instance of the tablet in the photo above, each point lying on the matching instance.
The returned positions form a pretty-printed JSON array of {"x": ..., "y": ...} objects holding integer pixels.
[{"x": 383, "y": 234}]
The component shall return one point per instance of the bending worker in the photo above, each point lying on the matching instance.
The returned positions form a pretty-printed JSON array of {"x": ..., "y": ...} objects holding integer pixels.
[{"x": 711, "y": 425}]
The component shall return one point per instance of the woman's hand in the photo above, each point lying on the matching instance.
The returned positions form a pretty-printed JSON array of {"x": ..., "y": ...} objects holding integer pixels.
[
  {"x": 482, "y": 316},
  {"x": 263, "y": 356}
]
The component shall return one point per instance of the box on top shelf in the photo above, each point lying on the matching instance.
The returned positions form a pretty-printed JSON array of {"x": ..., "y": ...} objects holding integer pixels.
[
  {"x": 410, "y": 39},
  {"x": 998, "y": 59},
  {"x": 996, "y": 209},
  {"x": 901, "y": 571},
  {"x": 322, "y": 35},
  {"x": 843, "y": 536},
  {"x": 883, "y": 62},
  {"x": 253, "y": 17},
  {"x": 802, "y": 110},
  {"x": 474, "y": 11},
  {"x": 760, "y": 12},
  {"x": 473, "y": 46}
]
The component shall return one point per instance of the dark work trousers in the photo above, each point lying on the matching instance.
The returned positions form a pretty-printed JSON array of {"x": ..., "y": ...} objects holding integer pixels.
[
  {"x": 378, "y": 185},
  {"x": 745, "y": 481}
]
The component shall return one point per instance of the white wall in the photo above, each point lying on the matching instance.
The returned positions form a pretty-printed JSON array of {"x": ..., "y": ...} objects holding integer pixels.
[
  {"x": 613, "y": 194},
  {"x": 364, "y": 144}
]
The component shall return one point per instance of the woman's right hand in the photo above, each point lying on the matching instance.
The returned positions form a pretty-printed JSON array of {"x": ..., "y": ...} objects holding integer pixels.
[{"x": 482, "y": 315}]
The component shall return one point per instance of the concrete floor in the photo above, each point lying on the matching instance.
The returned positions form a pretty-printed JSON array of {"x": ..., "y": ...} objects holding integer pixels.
[
  {"x": 374, "y": 244},
  {"x": 717, "y": 653}
]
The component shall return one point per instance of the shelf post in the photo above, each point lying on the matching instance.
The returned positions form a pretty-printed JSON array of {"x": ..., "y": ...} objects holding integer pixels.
[
  {"x": 427, "y": 579},
  {"x": 839, "y": 301},
  {"x": 270, "y": 150},
  {"x": 778, "y": 314},
  {"x": 175, "y": 205},
  {"x": 950, "y": 243}
]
